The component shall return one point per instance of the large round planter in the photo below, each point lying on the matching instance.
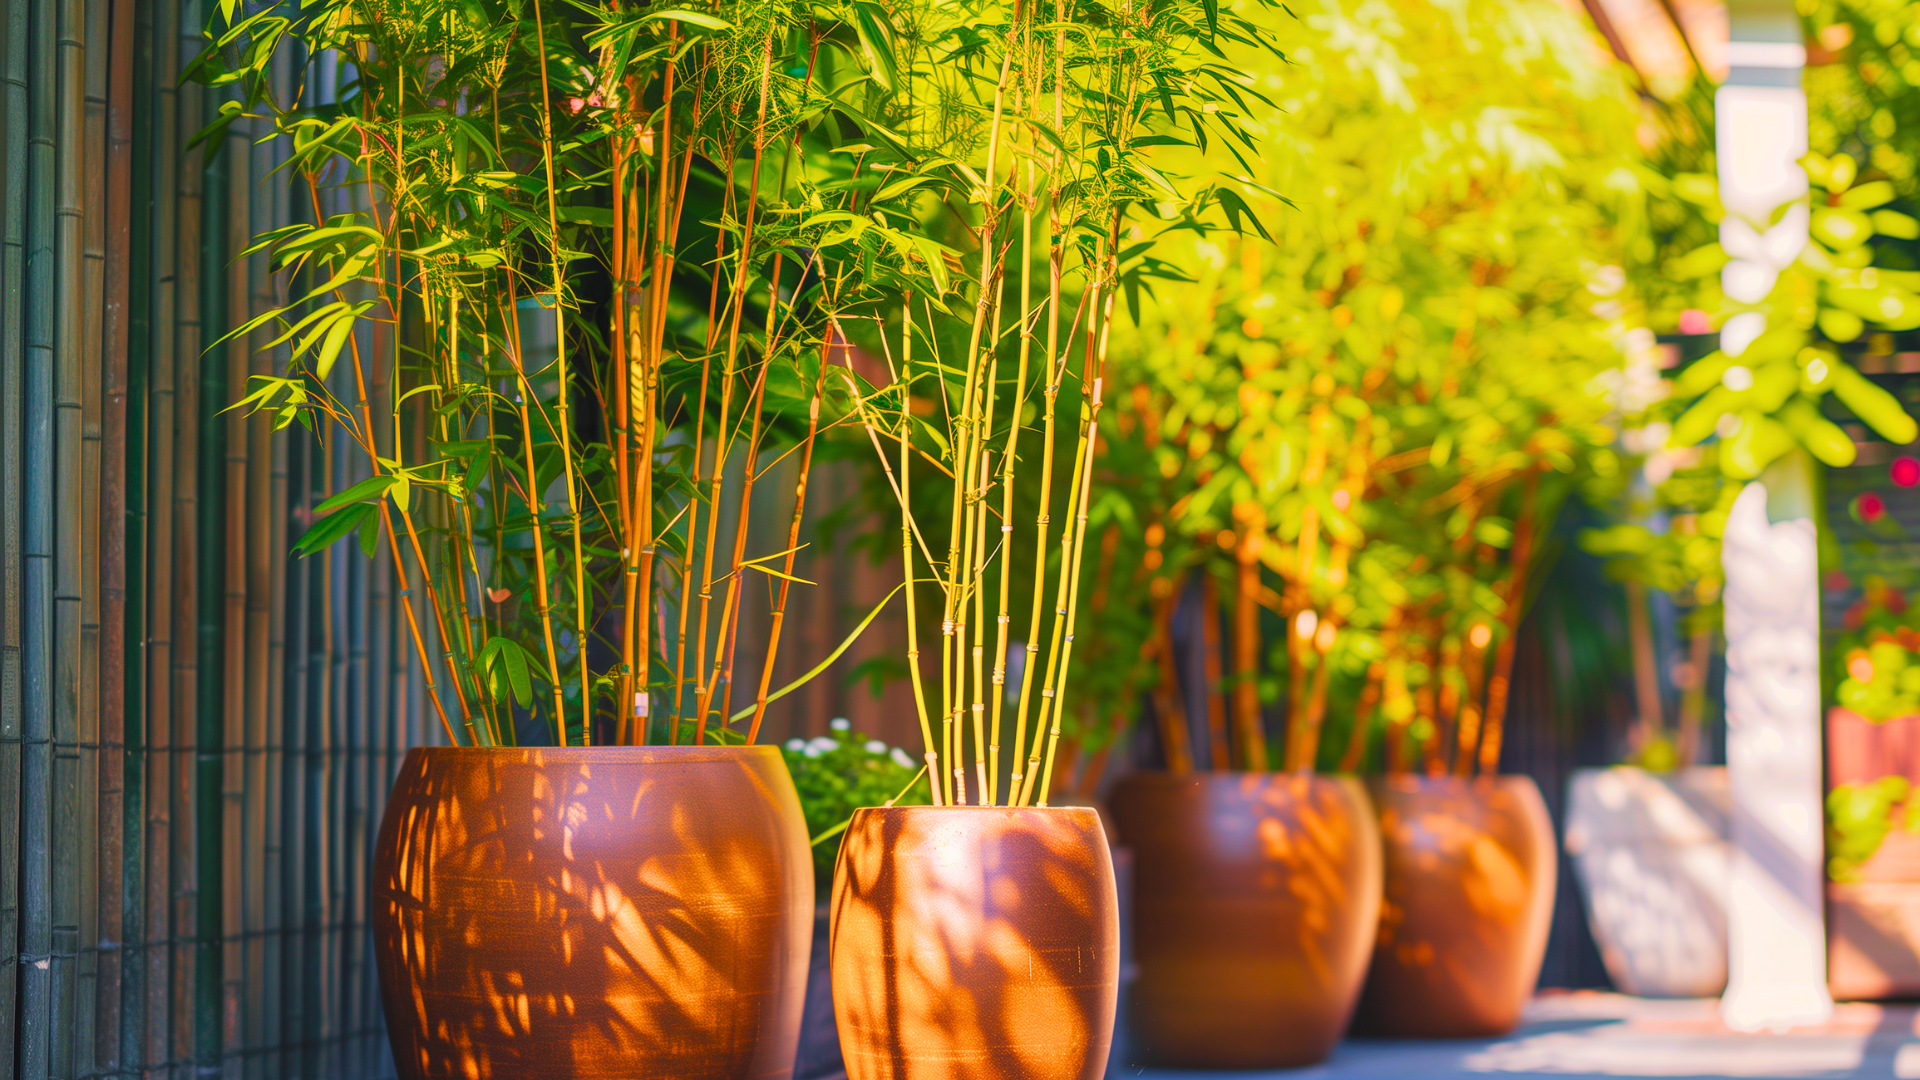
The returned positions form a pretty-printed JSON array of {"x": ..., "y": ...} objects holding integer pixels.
[
  {"x": 1468, "y": 897},
  {"x": 975, "y": 943},
  {"x": 1651, "y": 851},
  {"x": 626, "y": 913},
  {"x": 1257, "y": 898}
]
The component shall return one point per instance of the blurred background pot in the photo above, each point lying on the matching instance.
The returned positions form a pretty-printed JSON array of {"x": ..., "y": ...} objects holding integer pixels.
[
  {"x": 1873, "y": 916},
  {"x": 1468, "y": 898},
  {"x": 1257, "y": 897},
  {"x": 613, "y": 912},
  {"x": 975, "y": 943},
  {"x": 1651, "y": 852}
]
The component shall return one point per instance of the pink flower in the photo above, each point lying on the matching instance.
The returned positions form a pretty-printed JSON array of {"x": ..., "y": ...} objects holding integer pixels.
[
  {"x": 1904, "y": 472},
  {"x": 1695, "y": 321},
  {"x": 1870, "y": 507}
]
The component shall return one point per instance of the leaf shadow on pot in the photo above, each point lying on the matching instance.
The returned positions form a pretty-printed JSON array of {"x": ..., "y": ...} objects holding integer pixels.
[
  {"x": 975, "y": 943},
  {"x": 547, "y": 915},
  {"x": 1470, "y": 866}
]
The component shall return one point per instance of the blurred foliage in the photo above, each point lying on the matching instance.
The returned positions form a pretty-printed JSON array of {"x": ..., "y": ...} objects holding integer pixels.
[
  {"x": 1859, "y": 818},
  {"x": 1383, "y": 410}
]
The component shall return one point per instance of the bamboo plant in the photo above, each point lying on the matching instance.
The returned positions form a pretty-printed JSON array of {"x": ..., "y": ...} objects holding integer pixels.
[
  {"x": 600, "y": 257},
  {"x": 1375, "y": 419},
  {"x": 987, "y": 428}
]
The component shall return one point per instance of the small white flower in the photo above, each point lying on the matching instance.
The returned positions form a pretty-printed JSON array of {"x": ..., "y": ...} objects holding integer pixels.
[
  {"x": 900, "y": 758},
  {"x": 875, "y": 746},
  {"x": 816, "y": 747},
  {"x": 839, "y": 723},
  {"x": 796, "y": 745}
]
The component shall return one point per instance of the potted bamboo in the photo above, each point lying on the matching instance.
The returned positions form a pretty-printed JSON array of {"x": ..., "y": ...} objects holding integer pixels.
[
  {"x": 978, "y": 936},
  {"x": 556, "y": 307},
  {"x": 1373, "y": 450}
]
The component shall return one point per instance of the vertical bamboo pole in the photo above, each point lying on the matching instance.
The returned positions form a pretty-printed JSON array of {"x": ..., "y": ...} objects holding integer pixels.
[
  {"x": 14, "y": 542},
  {"x": 116, "y": 141}
]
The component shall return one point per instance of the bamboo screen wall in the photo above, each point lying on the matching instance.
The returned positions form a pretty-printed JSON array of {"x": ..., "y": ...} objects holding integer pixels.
[{"x": 195, "y": 732}]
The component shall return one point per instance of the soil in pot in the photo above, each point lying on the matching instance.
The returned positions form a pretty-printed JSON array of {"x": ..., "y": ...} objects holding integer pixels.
[
  {"x": 1652, "y": 852},
  {"x": 1469, "y": 880},
  {"x": 619, "y": 912},
  {"x": 975, "y": 943},
  {"x": 1257, "y": 898}
]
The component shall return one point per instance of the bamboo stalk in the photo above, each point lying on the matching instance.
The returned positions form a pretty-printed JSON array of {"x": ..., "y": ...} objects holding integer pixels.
[
  {"x": 1210, "y": 654},
  {"x": 1168, "y": 709},
  {"x": 1501, "y": 681},
  {"x": 563, "y": 377},
  {"x": 1246, "y": 653},
  {"x": 1693, "y": 700},
  {"x": 904, "y": 493},
  {"x": 793, "y": 539},
  {"x": 1072, "y": 573},
  {"x": 1650, "y": 724},
  {"x": 1362, "y": 720}
]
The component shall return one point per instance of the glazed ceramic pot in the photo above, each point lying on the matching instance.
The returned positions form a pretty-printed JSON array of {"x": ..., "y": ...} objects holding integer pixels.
[
  {"x": 975, "y": 943},
  {"x": 1468, "y": 897},
  {"x": 1256, "y": 901},
  {"x": 1651, "y": 851},
  {"x": 619, "y": 912}
]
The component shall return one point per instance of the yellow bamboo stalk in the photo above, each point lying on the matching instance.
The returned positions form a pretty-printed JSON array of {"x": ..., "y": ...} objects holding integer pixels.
[
  {"x": 566, "y": 421},
  {"x": 1072, "y": 574}
]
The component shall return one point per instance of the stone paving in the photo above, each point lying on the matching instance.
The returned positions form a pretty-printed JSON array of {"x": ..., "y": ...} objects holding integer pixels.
[{"x": 1586, "y": 1034}]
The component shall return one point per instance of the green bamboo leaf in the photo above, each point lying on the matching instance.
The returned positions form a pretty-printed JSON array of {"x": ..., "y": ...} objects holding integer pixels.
[
  {"x": 323, "y": 533},
  {"x": 365, "y": 491},
  {"x": 1880, "y": 410},
  {"x": 691, "y": 18},
  {"x": 330, "y": 351}
]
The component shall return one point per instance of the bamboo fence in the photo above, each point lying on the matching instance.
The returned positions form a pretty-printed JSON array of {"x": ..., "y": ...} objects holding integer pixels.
[{"x": 196, "y": 731}]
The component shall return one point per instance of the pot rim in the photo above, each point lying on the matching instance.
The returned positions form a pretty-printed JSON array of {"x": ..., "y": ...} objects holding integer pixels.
[
  {"x": 971, "y": 807},
  {"x": 637, "y": 754}
]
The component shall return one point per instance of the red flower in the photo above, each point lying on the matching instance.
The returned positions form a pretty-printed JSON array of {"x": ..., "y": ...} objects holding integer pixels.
[
  {"x": 1904, "y": 472},
  {"x": 1870, "y": 507}
]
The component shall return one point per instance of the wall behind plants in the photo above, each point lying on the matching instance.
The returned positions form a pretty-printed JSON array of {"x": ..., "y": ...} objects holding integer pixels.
[{"x": 196, "y": 733}]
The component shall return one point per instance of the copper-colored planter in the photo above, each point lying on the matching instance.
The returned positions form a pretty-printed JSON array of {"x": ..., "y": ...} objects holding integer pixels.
[
  {"x": 975, "y": 943},
  {"x": 1256, "y": 900},
  {"x": 1469, "y": 894},
  {"x": 604, "y": 912}
]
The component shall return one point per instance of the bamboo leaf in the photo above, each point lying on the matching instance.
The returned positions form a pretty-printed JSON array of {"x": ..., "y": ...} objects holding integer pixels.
[
  {"x": 323, "y": 533},
  {"x": 828, "y": 662},
  {"x": 365, "y": 491}
]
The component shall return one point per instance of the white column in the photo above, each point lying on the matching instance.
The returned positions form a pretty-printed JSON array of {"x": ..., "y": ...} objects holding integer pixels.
[
  {"x": 1777, "y": 945},
  {"x": 1776, "y": 931}
]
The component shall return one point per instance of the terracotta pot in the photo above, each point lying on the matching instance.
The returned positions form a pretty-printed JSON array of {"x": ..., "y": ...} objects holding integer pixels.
[
  {"x": 1873, "y": 921},
  {"x": 1257, "y": 897},
  {"x": 1651, "y": 852},
  {"x": 576, "y": 913},
  {"x": 975, "y": 943},
  {"x": 1469, "y": 894}
]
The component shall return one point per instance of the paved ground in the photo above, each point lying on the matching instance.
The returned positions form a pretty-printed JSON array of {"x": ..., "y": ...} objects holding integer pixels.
[{"x": 1568, "y": 1036}]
